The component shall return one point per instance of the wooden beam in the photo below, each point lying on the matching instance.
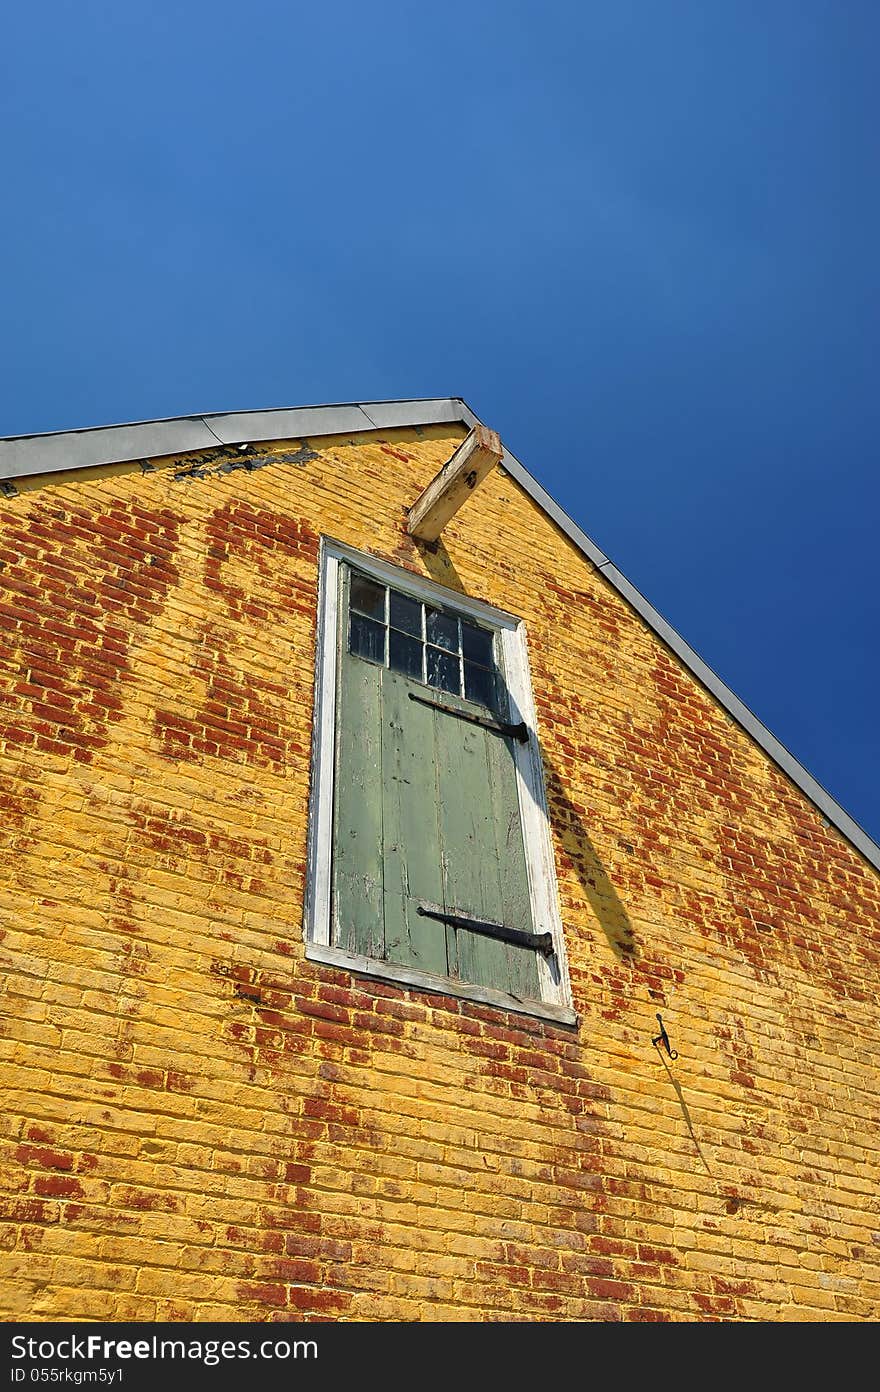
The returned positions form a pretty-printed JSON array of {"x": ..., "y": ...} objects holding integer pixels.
[{"x": 475, "y": 457}]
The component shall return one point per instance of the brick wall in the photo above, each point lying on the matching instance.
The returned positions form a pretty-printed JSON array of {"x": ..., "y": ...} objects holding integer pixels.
[{"x": 198, "y": 1124}]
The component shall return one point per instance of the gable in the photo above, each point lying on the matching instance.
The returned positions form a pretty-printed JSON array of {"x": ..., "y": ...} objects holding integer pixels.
[
  {"x": 205, "y": 654},
  {"x": 204, "y": 437},
  {"x": 185, "y": 1078}
]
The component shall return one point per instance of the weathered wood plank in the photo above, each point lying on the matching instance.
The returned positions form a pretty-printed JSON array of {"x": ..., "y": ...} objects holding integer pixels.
[
  {"x": 405, "y": 976},
  {"x": 357, "y": 823},
  {"x": 471, "y": 882},
  {"x": 412, "y": 841},
  {"x": 475, "y": 457},
  {"x": 522, "y": 965}
]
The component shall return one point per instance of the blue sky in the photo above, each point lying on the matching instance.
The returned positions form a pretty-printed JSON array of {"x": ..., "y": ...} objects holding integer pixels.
[{"x": 640, "y": 239}]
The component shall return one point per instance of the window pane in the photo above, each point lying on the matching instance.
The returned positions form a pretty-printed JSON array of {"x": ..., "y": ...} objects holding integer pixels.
[
  {"x": 441, "y": 629},
  {"x": 476, "y": 644},
  {"x": 405, "y": 654},
  {"x": 406, "y": 614},
  {"x": 443, "y": 671},
  {"x": 366, "y": 639},
  {"x": 368, "y": 597},
  {"x": 479, "y": 684}
]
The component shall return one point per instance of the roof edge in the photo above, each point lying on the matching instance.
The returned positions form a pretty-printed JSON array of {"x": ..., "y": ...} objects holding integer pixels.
[
  {"x": 23, "y": 456},
  {"x": 704, "y": 674}
]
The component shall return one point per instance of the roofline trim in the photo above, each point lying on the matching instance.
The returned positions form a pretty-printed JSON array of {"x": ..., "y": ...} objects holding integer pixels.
[{"x": 24, "y": 456}]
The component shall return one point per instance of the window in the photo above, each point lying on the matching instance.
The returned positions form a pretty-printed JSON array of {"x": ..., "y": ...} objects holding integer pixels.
[{"x": 430, "y": 856}]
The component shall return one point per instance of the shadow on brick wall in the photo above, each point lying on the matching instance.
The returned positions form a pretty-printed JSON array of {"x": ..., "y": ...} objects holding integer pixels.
[{"x": 579, "y": 853}]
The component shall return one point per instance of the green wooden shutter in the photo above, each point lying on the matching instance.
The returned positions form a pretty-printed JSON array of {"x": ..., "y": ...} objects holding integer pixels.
[{"x": 426, "y": 812}]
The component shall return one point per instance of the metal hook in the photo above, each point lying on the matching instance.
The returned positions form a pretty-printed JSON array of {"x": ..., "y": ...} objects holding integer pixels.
[{"x": 663, "y": 1038}]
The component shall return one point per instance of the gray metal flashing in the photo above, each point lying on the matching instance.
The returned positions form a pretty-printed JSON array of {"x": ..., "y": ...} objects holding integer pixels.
[
  {"x": 283, "y": 425},
  {"x": 553, "y": 510},
  {"x": 386, "y": 415},
  {"x": 22, "y": 456},
  {"x": 115, "y": 444},
  {"x": 744, "y": 717},
  {"x": 25, "y": 456}
]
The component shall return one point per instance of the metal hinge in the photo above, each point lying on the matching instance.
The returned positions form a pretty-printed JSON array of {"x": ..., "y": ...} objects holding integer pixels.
[
  {"x": 518, "y": 732},
  {"x": 538, "y": 942}
]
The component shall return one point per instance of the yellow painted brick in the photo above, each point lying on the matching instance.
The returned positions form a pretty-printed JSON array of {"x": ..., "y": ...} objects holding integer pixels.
[{"x": 443, "y": 1166}]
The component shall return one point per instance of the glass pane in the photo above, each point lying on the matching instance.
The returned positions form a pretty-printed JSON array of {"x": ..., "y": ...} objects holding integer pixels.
[
  {"x": 366, "y": 639},
  {"x": 406, "y": 614},
  {"x": 476, "y": 644},
  {"x": 443, "y": 671},
  {"x": 367, "y": 597},
  {"x": 405, "y": 654},
  {"x": 441, "y": 629},
  {"x": 479, "y": 684}
]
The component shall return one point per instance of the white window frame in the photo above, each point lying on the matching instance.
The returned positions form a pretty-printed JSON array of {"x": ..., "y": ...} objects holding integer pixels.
[{"x": 555, "y": 1002}]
